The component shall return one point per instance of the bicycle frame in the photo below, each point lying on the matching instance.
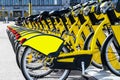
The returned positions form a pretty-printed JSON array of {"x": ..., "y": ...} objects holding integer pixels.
[
  {"x": 115, "y": 31},
  {"x": 73, "y": 54}
]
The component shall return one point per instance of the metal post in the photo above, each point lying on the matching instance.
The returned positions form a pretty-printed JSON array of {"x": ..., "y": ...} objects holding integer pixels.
[
  {"x": 30, "y": 7},
  {"x": 83, "y": 67}
]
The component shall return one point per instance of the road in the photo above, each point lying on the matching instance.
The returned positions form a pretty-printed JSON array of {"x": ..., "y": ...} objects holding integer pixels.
[{"x": 10, "y": 71}]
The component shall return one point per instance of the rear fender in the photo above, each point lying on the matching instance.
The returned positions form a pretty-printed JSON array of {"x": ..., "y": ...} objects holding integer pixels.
[{"x": 46, "y": 44}]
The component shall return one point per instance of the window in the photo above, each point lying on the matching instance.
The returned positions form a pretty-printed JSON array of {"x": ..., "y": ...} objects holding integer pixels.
[
  {"x": 55, "y": 2},
  {"x": 25, "y": 2},
  {"x": 59, "y": 2},
  {"x": 78, "y": 1},
  {"x": 3, "y": 2},
  {"x": 42, "y": 2},
  {"x": 16, "y": 2},
  {"x": 51, "y": 2},
  {"x": 0, "y": 2},
  {"x": 17, "y": 13},
  {"x": 34, "y": 2},
  {"x": 11, "y": 2},
  {"x": 46, "y": 2},
  {"x": 7, "y": 2},
  {"x": 20, "y": 2},
  {"x": 38, "y": 2}
]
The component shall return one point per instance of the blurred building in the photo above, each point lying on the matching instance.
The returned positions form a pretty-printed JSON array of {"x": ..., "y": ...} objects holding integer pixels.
[
  {"x": 14, "y": 8},
  {"x": 74, "y": 2}
]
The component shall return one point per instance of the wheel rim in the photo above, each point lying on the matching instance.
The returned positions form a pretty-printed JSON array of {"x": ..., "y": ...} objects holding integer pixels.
[
  {"x": 38, "y": 73},
  {"x": 112, "y": 58}
]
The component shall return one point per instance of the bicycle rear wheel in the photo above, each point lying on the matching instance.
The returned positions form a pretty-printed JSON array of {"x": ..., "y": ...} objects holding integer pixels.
[
  {"x": 19, "y": 54},
  {"x": 31, "y": 74}
]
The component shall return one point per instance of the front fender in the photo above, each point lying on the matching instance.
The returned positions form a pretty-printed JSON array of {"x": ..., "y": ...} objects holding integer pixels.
[{"x": 45, "y": 44}]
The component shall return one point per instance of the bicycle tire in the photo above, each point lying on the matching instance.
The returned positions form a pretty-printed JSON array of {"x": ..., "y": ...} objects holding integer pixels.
[
  {"x": 19, "y": 55},
  {"x": 105, "y": 55},
  {"x": 86, "y": 47},
  {"x": 29, "y": 76}
]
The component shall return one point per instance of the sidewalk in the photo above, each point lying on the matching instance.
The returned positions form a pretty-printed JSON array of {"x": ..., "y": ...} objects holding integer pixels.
[{"x": 8, "y": 66}]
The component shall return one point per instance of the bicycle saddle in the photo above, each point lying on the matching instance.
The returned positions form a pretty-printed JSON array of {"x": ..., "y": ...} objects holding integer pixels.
[
  {"x": 44, "y": 14},
  {"x": 78, "y": 6},
  {"x": 32, "y": 17},
  {"x": 85, "y": 4},
  {"x": 91, "y": 3},
  {"x": 59, "y": 13},
  {"x": 18, "y": 19},
  {"x": 106, "y": 7},
  {"x": 54, "y": 13},
  {"x": 97, "y": 9},
  {"x": 36, "y": 18},
  {"x": 23, "y": 18},
  {"x": 62, "y": 12},
  {"x": 26, "y": 20}
]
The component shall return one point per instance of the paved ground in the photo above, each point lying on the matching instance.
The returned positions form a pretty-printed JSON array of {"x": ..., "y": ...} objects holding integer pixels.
[
  {"x": 10, "y": 71},
  {"x": 8, "y": 66}
]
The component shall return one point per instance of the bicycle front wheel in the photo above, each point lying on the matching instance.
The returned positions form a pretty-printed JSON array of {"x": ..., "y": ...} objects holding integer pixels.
[
  {"x": 96, "y": 61},
  {"x": 111, "y": 55}
]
